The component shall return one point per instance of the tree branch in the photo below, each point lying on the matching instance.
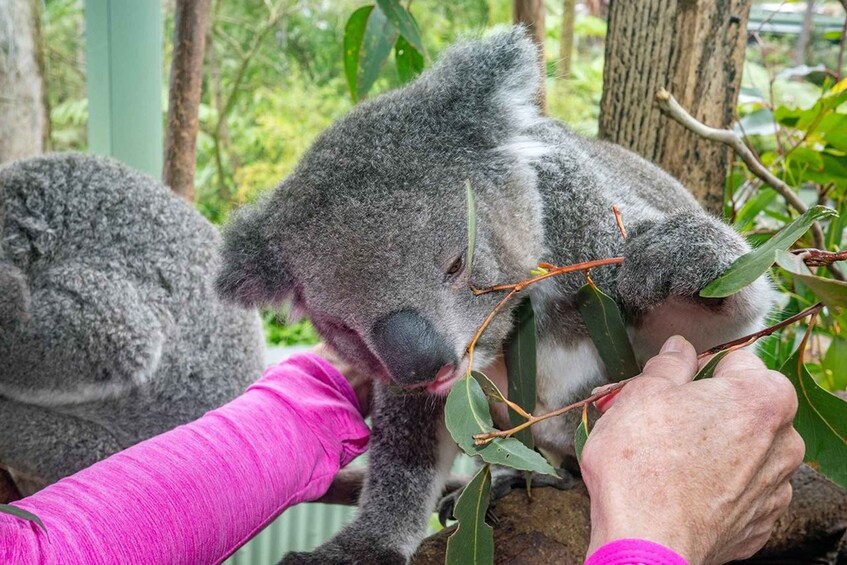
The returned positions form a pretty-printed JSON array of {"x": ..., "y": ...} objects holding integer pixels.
[{"x": 671, "y": 107}]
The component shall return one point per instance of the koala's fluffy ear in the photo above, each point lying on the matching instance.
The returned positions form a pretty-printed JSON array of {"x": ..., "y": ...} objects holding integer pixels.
[
  {"x": 492, "y": 83},
  {"x": 252, "y": 270}
]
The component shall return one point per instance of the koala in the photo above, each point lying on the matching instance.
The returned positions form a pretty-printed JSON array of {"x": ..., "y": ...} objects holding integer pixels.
[
  {"x": 110, "y": 328},
  {"x": 368, "y": 237}
]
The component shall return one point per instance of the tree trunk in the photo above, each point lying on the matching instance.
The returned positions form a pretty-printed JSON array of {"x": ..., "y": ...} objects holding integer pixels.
[
  {"x": 531, "y": 14},
  {"x": 694, "y": 49},
  {"x": 803, "y": 40},
  {"x": 563, "y": 67},
  {"x": 190, "y": 23},
  {"x": 23, "y": 111}
]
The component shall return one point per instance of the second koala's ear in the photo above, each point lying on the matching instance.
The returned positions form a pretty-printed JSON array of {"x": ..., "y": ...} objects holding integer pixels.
[{"x": 252, "y": 270}]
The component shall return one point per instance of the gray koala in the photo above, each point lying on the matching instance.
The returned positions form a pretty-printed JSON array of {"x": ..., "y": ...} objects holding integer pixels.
[
  {"x": 368, "y": 237},
  {"x": 110, "y": 329}
]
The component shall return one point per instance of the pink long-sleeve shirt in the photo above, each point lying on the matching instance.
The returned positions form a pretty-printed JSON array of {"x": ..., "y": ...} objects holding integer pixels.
[{"x": 197, "y": 493}]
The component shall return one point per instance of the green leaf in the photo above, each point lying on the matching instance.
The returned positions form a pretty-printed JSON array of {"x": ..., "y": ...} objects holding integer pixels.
[
  {"x": 489, "y": 389},
  {"x": 752, "y": 265},
  {"x": 467, "y": 413},
  {"x": 831, "y": 292},
  {"x": 748, "y": 212},
  {"x": 354, "y": 33},
  {"x": 471, "y": 227},
  {"x": 23, "y": 514},
  {"x": 473, "y": 541},
  {"x": 605, "y": 325},
  {"x": 708, "y": 370},
  {"x": 377, "y": 42},
  {"x": 520, "y": 355},
  {"x": 821, "y": 421},
  {"x": 835, "y": 363},
  {"x": 402, "y": 21},
  {"x": 581, "y": 434},
  {"x": 409, "y": 62}
]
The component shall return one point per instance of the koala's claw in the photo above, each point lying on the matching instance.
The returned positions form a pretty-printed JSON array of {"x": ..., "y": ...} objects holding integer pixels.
[{"x": 504, "y": 481}]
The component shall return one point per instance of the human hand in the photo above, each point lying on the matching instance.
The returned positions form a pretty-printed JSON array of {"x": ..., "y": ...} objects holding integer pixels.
[
  {"x": 700, "y": 467},
  {"x": 362, "y": 383}
]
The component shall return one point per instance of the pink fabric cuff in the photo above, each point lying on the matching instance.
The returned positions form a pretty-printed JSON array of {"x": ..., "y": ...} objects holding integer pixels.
[{"x": 634, "y": 552}]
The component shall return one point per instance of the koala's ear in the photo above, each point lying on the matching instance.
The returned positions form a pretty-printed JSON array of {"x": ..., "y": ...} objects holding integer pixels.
[
  {"x": 252, "y": 270},
  {"x": 493, "y": 82}
]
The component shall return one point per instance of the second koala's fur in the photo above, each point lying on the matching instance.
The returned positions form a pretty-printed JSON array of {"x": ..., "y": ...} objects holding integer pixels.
[
  {"x": 110, "y": 329},
  {"x": 368, "y": 237}
]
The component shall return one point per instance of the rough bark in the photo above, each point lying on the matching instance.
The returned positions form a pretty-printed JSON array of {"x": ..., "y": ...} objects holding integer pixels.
[
  {"x": 691, "y": 47},
  {"x": 563, "y": 66},
  {"x": 531, "y": 14},
  {"x": 189, "y": 44},
  {"x": 23, "y": 113},
  {"x": 554, "y": 527}
]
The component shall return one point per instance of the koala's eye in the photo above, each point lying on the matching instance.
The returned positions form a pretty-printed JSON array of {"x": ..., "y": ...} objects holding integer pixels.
[{"x": 456, "y": 266}]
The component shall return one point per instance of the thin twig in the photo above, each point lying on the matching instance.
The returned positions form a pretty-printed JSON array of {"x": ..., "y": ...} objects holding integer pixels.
[
  {"x": 819, "y": 258},
  {"x": 669, "y": 105},
  {"x": 551, "y": 272},
  {"x": 748, "y": 339},
  {"x": 619, "y": 221}
]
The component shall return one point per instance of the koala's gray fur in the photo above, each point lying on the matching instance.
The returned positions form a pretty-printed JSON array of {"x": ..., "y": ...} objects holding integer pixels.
[
  {"x": 110, "y": 329},
  {"x": 366, "y": 234}
]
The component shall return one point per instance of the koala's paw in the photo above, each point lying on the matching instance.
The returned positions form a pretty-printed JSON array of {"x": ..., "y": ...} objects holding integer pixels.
[
  {"x": 677, "y": 256},
  {"x": 341, "y": 553},
  {"x": 503, "y": 481}
]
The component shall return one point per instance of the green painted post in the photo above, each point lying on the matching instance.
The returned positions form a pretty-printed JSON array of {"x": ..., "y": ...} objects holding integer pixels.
[{"x": 124, "y": 48}]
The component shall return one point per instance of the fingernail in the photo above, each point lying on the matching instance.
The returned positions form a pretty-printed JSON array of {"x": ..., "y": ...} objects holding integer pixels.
[{"x": 674, "y": 345}]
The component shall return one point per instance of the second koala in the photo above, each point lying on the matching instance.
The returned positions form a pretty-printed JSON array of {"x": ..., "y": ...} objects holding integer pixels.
[{"x": 368, "y": 238}]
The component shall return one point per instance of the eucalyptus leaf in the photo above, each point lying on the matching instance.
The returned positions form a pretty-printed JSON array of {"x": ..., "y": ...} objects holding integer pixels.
[
  {"x": 605, "y": 325},
  {"x": 489, "y": 389},
  {"x": 821, "y": 421},
  {"x": 354, "y": 33},
  {"x": 402, "y": 21},
  {"x": 835, "y": 363},
  {"x": 23, "y": 514},
  {"x": 467, "y": 413},
  {"x": 831, "y": 292},
  {"x": 377, "y": 42},
  {"x": 708, "y": 370},
  {"x": 471, "y": 227},
  {"x": 520, "y": 355},
  {"x": 473, "y": 541},
  {"x": 409, "y": 62},
  {"x": 752, "y": 265}
]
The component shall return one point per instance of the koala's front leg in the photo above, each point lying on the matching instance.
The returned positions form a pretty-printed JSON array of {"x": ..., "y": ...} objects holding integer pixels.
[
  {"x": 409, "y": 458},
  {"x": 667, "y": 263}
]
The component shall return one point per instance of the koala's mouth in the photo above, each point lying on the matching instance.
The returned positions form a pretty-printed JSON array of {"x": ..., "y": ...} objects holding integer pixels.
[{"x": 444, "y": 379}]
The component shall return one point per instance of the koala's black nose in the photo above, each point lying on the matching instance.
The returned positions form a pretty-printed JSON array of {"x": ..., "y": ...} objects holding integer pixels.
[{"x": 412, "y": 349}]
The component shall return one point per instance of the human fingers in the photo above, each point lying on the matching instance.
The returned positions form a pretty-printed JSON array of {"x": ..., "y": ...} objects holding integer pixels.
[{"x": 676, "y": 362}]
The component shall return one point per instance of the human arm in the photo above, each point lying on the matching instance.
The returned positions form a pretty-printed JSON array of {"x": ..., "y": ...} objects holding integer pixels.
[
  {"x": 700, "y": 467},
  {"x": 197, "y": 493}
]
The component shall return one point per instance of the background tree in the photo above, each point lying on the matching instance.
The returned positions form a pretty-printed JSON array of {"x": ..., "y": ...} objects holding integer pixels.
[
  {"x": 563, "y": 65},
  {"x": 24, "y": 128},
  {"x": 189, "y": 43},
  {"x": 531, "y": 14},
  {"x": 695, "y": 49}
]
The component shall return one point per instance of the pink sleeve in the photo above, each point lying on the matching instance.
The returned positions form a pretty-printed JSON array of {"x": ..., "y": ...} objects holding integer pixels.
[
  {"x": 634, "y": 552},
  {"x": 197, "y": 493}
]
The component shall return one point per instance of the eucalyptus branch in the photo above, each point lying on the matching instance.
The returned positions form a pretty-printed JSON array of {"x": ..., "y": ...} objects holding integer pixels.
[
  {"x": 819, "y": 258},
  {"x": 484, "y": 438},
  {"x": 552, "y": 271},
  {"x": 670, "y": 106}
]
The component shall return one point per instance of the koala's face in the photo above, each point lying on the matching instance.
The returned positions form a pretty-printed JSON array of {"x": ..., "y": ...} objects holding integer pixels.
[{"x": 369, "y": 235}]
